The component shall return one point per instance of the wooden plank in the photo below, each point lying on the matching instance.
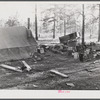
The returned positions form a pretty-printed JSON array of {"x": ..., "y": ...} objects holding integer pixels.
[
  {"x": 10, "y": 67},
  {"x": 28, "y": 68},
  {"x": 59, "y": 73},
  {"x": 70, "y": 84}
]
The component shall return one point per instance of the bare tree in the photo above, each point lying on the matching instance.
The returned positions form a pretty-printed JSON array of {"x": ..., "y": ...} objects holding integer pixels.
[
  {"x": 12, "y": 21},
  {"x": 50, "y": 20}
]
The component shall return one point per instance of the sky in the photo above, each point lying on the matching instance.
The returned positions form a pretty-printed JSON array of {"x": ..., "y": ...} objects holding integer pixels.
[{"x": 23, "y": 10}]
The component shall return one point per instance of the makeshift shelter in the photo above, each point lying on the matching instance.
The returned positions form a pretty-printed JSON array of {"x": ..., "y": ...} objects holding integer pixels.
[{"x": 16, "y": 43}]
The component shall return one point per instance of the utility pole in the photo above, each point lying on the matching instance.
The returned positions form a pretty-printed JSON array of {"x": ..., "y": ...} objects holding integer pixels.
[
  {"x": 28, "y": 25},
  {"x": 36, "y": 31},
  {"x": 83, "y": 24},
  {"x": 99, "y": 24}
]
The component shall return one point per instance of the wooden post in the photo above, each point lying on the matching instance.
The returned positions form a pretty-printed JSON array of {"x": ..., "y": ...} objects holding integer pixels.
[
  {"x": 83, "y": 21},
  {"x": 28, "y": 25},
  {"x": 36, "y": 33},
  {"x": 99, "y": 25}
]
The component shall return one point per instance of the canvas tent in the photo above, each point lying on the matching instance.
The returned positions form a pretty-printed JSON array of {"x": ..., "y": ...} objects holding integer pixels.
[{"x": 16, "y": 43}]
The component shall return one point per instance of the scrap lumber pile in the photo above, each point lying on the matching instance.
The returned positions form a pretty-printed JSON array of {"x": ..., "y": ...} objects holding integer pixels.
[{"x": 23, "y": 68}]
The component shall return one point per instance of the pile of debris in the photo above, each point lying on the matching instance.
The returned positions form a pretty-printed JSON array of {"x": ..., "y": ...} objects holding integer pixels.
[
  {"x": 86, "y": 52},
  {"x": 67, "y": 45}
]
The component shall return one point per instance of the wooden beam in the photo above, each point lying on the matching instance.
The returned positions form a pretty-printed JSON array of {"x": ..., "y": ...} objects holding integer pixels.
[
  {"x": 10, "y": 67},
  {"x": 59, "y": 73},
  {"x": 28, "y": 68}
]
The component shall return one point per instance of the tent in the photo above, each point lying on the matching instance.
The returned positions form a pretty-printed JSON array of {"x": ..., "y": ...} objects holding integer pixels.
[{"x": 16, "y": 43}]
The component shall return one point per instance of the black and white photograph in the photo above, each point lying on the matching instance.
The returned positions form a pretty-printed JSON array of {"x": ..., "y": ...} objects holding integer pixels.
[{"x": 49, "y": 46}]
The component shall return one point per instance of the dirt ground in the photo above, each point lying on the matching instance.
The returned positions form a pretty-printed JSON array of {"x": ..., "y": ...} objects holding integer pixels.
[{"x": 82, "y": 76}]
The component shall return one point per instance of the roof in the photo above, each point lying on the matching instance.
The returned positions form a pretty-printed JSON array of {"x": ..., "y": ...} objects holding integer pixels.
[
  {"x": 13, "y": 37},
  {"x": 16, "y": 43}
]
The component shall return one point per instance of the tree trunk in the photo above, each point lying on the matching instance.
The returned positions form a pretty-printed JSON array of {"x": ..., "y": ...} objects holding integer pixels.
[
  {"x": 36, "y": 33},
  {"x": 64, "y": 26},
  {"x": 54, "y": 28},
  {"x": 99, "y": 25}
]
